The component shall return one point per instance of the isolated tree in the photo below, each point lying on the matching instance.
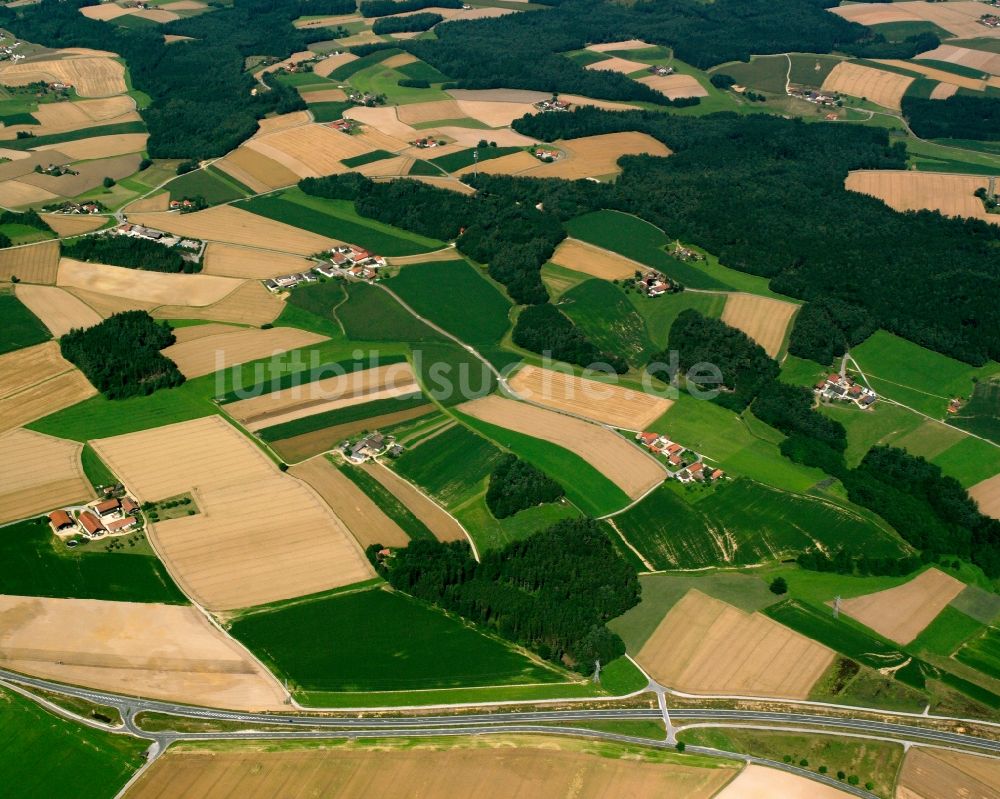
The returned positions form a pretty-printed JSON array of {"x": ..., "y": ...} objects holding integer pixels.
[
  {"x": 681, "y": 746},
  {"x": 779, "y": 586},
  {"x": 108, "y": 182}
]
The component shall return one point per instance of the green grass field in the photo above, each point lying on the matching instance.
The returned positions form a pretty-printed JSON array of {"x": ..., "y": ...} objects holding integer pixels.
[
  {"x": 338, "y": 219},
  {"x": 377, "y": 640},
  {"x": 970, "y": 461},
  {"x": 310, "y": 306},
  {"x": 983, "y": 606},
  {"x": 451, "y": 465},
  {"x": 371, "y": 314},
  {"x": 659, "y": 313},
  {"x": 454, "y": 295},
  {"x": 983, "y": 653},
  {"x": 676, "y": 527},
  {"x": 96, "y": 471},
  {"x": 450, "y": 374},
  {"x": 328, "y": 112},
  {"x": 946, "y": 633},
  {"x": 44, "y": 756},
  {"x": 352, "y": 413},
  {"x": 811, "y": 70},
  {"x": 981, "y": 414},
  {"x": 603, "y": 311},
  {"x": 463, "y": 158},
  {"x": 764, "y": 72},
  {"x": 367, "y": 158},
  {"x": 33, "y": 562},
  {"x": 20, "y": 328},
  {"x": 208, "y": 183},
  {"x": 898, "y": 31}
]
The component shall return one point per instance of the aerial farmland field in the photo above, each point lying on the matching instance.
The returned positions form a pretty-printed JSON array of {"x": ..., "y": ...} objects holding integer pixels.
[
  {"x": 610, "y": 320},
  {"x": 22, "y": 328},
  {"x": 40, "y": 473}
]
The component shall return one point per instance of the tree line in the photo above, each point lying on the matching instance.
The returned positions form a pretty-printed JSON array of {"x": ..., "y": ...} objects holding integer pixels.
[
  {"x": 552, "y": 593},
  {"x": 127, "y": 251},
  {"x": 382, "y": 8},
  {"x": 414, "y": 22}
]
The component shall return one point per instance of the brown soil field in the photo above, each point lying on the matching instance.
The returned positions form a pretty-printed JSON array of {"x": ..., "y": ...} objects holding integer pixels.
[
  {"x": 943, "y": 75},
  {"x": 245, "y": 262},
  {"x": 705, "y": 646},
  {"x": 385, "y": 120},
  {"x": 675, "y": 86},
  {"x": 155, "y": 202},
  {"x": 987, "y": 494},
  {"x": 171, "y": 38},
  {"x": 74, "y": 224},
  {"x": 324, "y": 96},
  {"x": 309, "y": 150},
  {"x": 256, "y": 171},
  {"x": 620, "y": 65},
  {"x": 260, "y": 536},
  {"x": 327, "y": 394},
  {"x": 963, "y": 56},
  {"x": 438, "y": 521},
  {"x": 600, "y": 402},
  {"x": 628, "y": 44},
  {"x": 595, "y": 156},
  {"x": 943, "y": 91},
  {"x": 107, "y": 304},
  {"x": 36, "y": 381},
  {"x": 763, "y": 319},
  {"x": 59, "y": 310},
  {"x": 883, "y": 88},
  {"x": 32, "y": 263},
  {"x": 18, "y": 193},
  {"x": 23, "y": 163},
  {"x": 211, "y": 353},
  {"x": 39, "y": 473},
  {"x": 105, "y": 11},
  {"x": 159, "y": 288},
  {"x": 302, "y": 447},
  {"x": 904, "y": 190},
  {"x": 195, "y": 332},
  {"x": 157, "y": 651},
  {"x": 89, "y": 175},
  {"x": 470, "y": 137},
  {"x": 90, "y": 76},
  {"x": 940, "y": 774},
  {"x": 250, "y": 304},
  {"x": 760, "y": 782},
  {"x": 487, "y": 768},
  {"x": 353, "y": 507},
  {"x": 496, "y": 115},
  {"x": 417, "y": 113},
  {"x": 327, "y": 65},
  {"x": 901, "y": 613},
  {"x": 582, "y": 257},
  {"x": 622, "y": 463},
  {"x": 101, "y": 146},
  {"x": 399, "y": 60},
  {"x": 235, "y": 226}
]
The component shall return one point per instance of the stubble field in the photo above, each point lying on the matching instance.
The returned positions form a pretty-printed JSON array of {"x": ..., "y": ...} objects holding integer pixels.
[
  {"x": 59, "y": 310},
  {"x": 230, "y": 260},
  {"x": 938, "y": 774},
  {"x": 987, "y": 494},
  {"x": 36, "y": 381},
  {"x": 90, "y": 76},
  {"x": 158, "y": 288},
  {"x": 250, "y": 304},
  {"x": 591, "y": 260},
  {"x": 763, "y": 319},
  {"x": 952, "y": 195},
  {"x": 39, "y": 473},
  {"x": 33, "y": 263},
  {"x": 207, "y": 354},
  {"x": 882, "y": 88}
]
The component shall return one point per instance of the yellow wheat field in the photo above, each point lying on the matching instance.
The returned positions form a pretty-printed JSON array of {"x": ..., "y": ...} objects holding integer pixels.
[
  {"x": 250, "y": 304},
  {"x": 39, "y": 473},
  {"x": 596, "y": 261},
  {"x": 964, "y": 57},
  {"x": 101, "y": 146},
  {"x": 324, "y": 96},
  {"x": 19, "y": 193},
  {"x": 763, "y": 319},
  {"x": 90, "y": 76},
  {"x": 958, "y": 18},
  {"x": 74, "y": 224},
  {"x": 231, "y": 260},
  {"x": 108, "y": 304},
  {"x": 943, "y": 91},
  {"x": 208, "y": 354},
  {"x": 59, "y": 117},
  {"x": 597, "y": 156},
  {"x": 328, "y": 65},
  {"x": 159, "y": 288},
  {"x": 418, "y": 113},
  {"x": 987, "y": 494},
  {"x": 36, "y": 381},
  {"x": 628, "y": 44},
  {"x": 620, "y": 65},
  {"x": 704, "y": 646},
  {"x": 32, "y": 263},
  {"x": 309, "y": 150},
  {"x": 882, "y": 88},
  {"x": 904, "y": 190},
  {"x": 105, "y": 11},
  {"x": 154, "y": 202},
  {"x": 58, "y": 310},
  {"x": 675, "y": 86},
  {"x": 260, "y": 535},
  {"x": 256, "y": 171}
]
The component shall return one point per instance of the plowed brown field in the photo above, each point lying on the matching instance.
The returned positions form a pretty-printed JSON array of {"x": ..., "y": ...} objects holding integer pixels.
[
  {"x": 438, "y": 521},
  {"x": 760, "y": 782},
  {"x": 39, "y": 473},
  {"x": 987, "y": 494}
]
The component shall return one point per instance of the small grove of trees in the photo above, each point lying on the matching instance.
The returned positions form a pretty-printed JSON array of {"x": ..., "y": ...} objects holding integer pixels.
[
  {"x": 127, "y": 251},
  {"x": 845, "y": 561},
  {"x": 414, "y": 22},
  {"x": 545, "y": 329},
  {"x": 552, "y": 593},
  {"x": 516, "y": 485},
  {"x": 961, "y": 116},
  {"x": 382, "y": 8},
  {"x": 121, "y": 356}
]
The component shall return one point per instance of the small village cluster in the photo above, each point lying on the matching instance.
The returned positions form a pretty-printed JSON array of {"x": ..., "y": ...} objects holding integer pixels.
[
  {"x": 116, "y": 514},
  {"x": 546, "y": 155},
  {"x": 843, "y": 387},
  {"x": 426, "y": 143},
  {"x": 70, "y": 207},
  {"x": 187, "y": 205},
  {"x": 552, "y": 104},
  {"x": 684, "y": 464},
  {"x": 682, "y": 253},
  {"x": 817, "y": 97},
  {"x": 366, "y": 99},
  {"x": 195, "y": 247},
  {"x": 348, "y": 126},
  {"x": 8, "y": 52},
  {"x": 345, "y": 260},
  {"x": 371, "y": 446},
  {"x": 660, "y": 70},
  {"x": 656, "y": 284},
  {"x": 55, "y": 170}
]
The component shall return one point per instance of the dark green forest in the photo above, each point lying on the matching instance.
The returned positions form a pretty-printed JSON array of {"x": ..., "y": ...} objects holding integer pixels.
[
  {"x": 129, "y": 252},
  {"x": 414, "y": 22},
  {"x": 381, "y": 8},
  {"x": 516, "y": 485},
  {"x": 961, "y": 116}
]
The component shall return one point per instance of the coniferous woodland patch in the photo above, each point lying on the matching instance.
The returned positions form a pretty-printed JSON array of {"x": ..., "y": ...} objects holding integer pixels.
[
  {"x": 382, "y": 8},
  {"x": 121, "y": 356},
  {"x": 552, "y": 593},
  {"x": 414, "y": 22},
  {"x": 516, "y": 485},
  {"x": 133, "y": 253},
  {"x": 960, "y": 116},
  {"x": 545, "y": 329}
]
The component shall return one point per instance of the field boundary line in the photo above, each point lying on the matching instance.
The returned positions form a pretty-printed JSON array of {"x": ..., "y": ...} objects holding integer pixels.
[{"x": 628, "y": 543}]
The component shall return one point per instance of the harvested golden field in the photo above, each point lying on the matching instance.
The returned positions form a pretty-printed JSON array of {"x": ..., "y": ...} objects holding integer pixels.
[
  {"x": 59, "y": 117},
  {"x": 211, "y": 353},
  {"x": 195, "y": 332},
  {"x": 107, "y": 304},
  {"x": 399, "y": 60},
  {"x": 377, "y": 140},
  {"x": 875, "y": 13},
  {"x": 500, "y": 95},
  {"x": 470, "y": 137},
  {"x": 36, "y": 381},
  {"x": 171, "y": 38},
  {"x": 39, "y": 473},
  {"x": 159, "y": 651},
  {"x": 964, "y": 57},
  {"x": 904, "y": 190},
  {"x": 235, "y": 226},
  {"x": 487, "y": 768},
  {"x": 578, "y": 100},
  {"x": 443, "y": 183},
  {"x": 353, "y": 507},
  {"x": 623, "y": 464},
  {"x": 18, "y": 193},
  {"x": 987, "y": 494},
  {"x": 517, "y": 163},
  {"x": 160, "y": 15},
  {"x": 309, "y": 150},
  {"x": 596, "y": 156},
  {"x": 327, "y": 65},
  {"x": 883, "y": 88},
  {"x": 58, "y": 310},
  {"x": 250, "y": 304},
  {"x": 159, "y": 288},
  {"x": 901, "y": 613},
  {"x": 419, "y": 113},
  {"x": 105, "y": 11},
  {"x": 23, "y": 163},
  {"x": 705, "y": 646},
  {"x": 90, "y": 76},
  {"x": 74, "y": 224},
  {"x": 328, "y": 394},
  {"x": 763, "y": 319},
  {"x": 386, "y": 168},
  {"x": 32, "y": 263},
  {"x": 184, "y": 5},
  {"x": 278, "y": 122},
  {"x": 304, "y": 446},
  {"x": 231, "y": 260},
  {"x": 101, "y": 146},
  {"x": 959, "y": 18},
  {"x": 260, "y": 535},
  {"x": 940, "y": 774},
  {"x": 599, "y": 402},
  {"x": 943, "y": 91},
  {"x": 324, "y": 96},
  {"x": 620, "y": 65},
  {"x": 494, "y": 114},
  {"x": 447, "y": 254},
  {"x": 444, "y": 526},
  {"x": 256, "y": 171},
  {"x": 384, "y": 119},
  {"x": 675, "y": 86},
  {"x": 628, "y": 44},
  {"x": 976, "y": 84},
  {"x": 760, "y": 782},
  {"x": 154, "y": 202},
  {"x": 591, "y": 260},
  {"x": 325, "y": 22},
  {"x": 89, "y": 175}
]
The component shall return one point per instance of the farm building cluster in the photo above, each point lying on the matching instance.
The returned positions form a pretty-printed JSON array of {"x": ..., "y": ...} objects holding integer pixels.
[
  {"x": 816, "y": 97},
  {"x": 546, "y": 155},
  {"x": 426, "y": 143},
  {"x": 193, "y": 248},
  {"x": 553, "y": 104},
  {"x": 682, "y": 253},
  {"x": 70, "y": 207},
  {"x": 990, "y": 20},
  {"x": 113, "y": 515},
  {"x": 345, "y": 260},
  {"x": 371, "y": 446},
  {"x": 348, "y": 126},
  {"x": 656, "y": 284},
  {"x": 843, "y": 387},
  {"x": 684, "y": 464},
  {"x": 8, "y": 52},
  {"x": 660, "y": 70}
]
